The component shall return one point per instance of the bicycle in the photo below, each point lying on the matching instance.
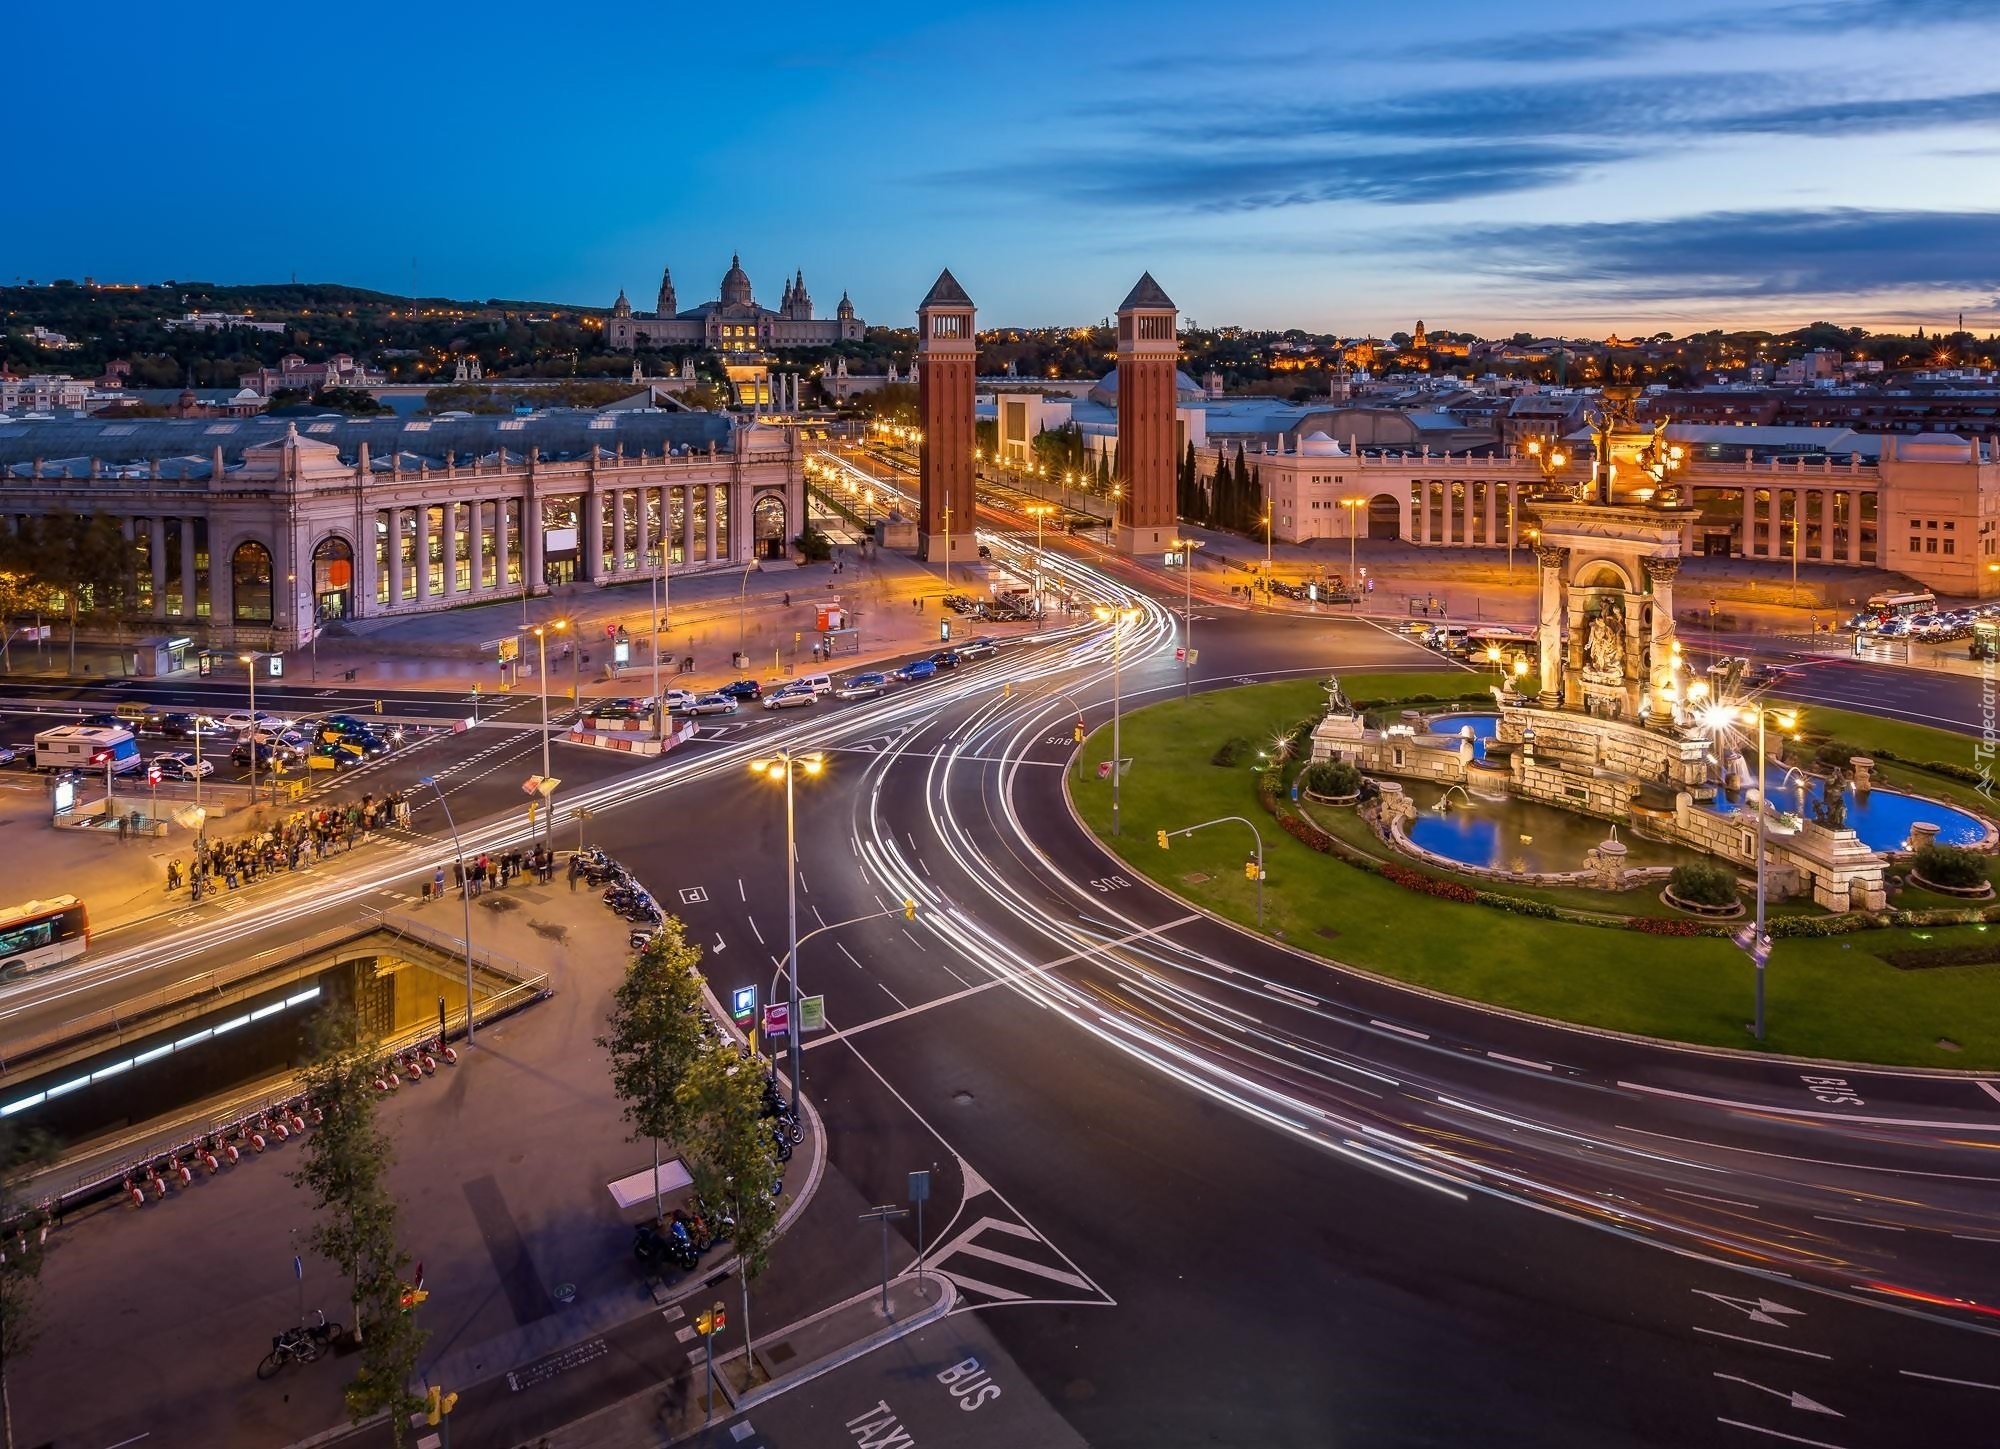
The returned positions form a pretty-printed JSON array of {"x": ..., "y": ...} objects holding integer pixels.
[{"x": 302, "y": 1344}]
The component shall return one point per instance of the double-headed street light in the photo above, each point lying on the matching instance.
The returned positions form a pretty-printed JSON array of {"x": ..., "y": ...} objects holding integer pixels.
[
  {"x": 1717, "y": 716},
  {"x": 1117, "y": 619},
  {"x": 783, "y": 766},
  {"x": 250, "y": 658},
  {"x": 542, "y": 632},
  {"x": 1187, "y": 546},
  {"x": 1353, "y": 507},
  {"x": 1039, "y": 512}
]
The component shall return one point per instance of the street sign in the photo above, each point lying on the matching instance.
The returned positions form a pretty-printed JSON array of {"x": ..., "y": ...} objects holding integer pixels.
[
  {"x": 1104, "y": 769},
  {"x": 812, "y": 1013},
  {"x": 777, "y": 1018},
  {"x": 204, "y": 664},
  {"x": 944, "y": 631},
  {"x": 743, "y": 1003},
  {"x": 920, "y": 1186},
  {"x": 275, "y": 663}
]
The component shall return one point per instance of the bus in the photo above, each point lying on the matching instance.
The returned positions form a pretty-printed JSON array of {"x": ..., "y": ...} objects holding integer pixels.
[
  {"x": 1886, "y": 606},
  {"x": 42, "y": 934}
]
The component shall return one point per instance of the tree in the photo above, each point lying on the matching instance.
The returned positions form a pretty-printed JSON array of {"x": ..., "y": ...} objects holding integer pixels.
[
  {"x": 21, "y": 1224},
  {"x": 655, "y": 1036},
  {"x": 345, "y": 1169},
  {"x": 816, "y": 546},
  {"x": 732, "y": 1156},
  {"x": 72, "y": 564},
  {"x": 1187, "y": 485}
]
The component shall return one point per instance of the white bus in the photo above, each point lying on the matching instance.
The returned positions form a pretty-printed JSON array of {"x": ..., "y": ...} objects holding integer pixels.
[
  {"x": 42, "y": 934},
  {"x": 1886, "y": 606}
]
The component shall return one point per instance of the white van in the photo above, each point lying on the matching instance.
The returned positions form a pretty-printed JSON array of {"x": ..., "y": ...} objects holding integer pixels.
[
  {"x": 817, "y": 683},
  {"x": 86, "y": 747}
]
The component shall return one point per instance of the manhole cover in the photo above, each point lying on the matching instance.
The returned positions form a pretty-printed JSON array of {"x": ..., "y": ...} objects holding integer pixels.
[
  {"x": 1196, "y": 877},
  {"x": 1945, "y": 1043},
  {"x": 565, "y": 1293}
]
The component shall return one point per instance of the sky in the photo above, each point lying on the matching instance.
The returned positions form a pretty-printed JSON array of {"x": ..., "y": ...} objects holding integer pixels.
[{"x": 1622, "y": 167}]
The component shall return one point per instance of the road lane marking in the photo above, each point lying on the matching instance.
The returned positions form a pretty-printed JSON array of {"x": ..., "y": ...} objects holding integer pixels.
[
  {"x": 1857, "y": 1223},
  {"x": 1774, "y": 1347},
  {"x": 1003, "y": 980},
  {"x": 1405, "y": 1030},
  {"x": 1990, "y": 1090},
  {"x": 1520, "y": 1062},
  {"x": 1776, "y": 1111},
  {"x": 1777, "y": 1433},
  {"x": 1941, "y": 1379}
]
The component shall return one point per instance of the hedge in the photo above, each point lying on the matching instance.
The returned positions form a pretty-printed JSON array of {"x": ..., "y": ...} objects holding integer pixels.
[{"x": 1923, "y": 958}]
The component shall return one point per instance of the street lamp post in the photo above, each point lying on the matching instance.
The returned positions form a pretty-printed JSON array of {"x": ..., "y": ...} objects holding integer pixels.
[
  {"x": 1187, "y": 546},
  {"x": 1353, "y": 507},
  {"x": 464, "y": 898},
  {"x": 1117, "y": 618},
  {"x": 662, "y": 612},
  {"x": 250, "y": 659},
  {"x": 1759, "y": 945},
  {"x": 784, "y": 765},
  {"x": 542, "y": 632}
]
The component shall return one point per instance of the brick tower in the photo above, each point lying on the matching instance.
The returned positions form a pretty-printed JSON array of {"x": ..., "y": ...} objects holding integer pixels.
[
  {"x": 947, "y": 354},
  {"x": 1148, "y": 361}
]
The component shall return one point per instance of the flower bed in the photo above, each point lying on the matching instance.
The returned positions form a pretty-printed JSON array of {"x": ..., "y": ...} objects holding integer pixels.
[
  {"x": 1981, "y": 892},
  {"x": 1697, "y": 908}
]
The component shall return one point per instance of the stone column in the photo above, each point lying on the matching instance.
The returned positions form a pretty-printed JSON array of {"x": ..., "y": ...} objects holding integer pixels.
[
  {"x": 423, "y": 553},
  {"x": 1854, "y": 501},
  {"x": 593, "y": 533},
  {"x": 1492, "y": 512},
  {"x": 1661, "y": 571},
  {"x": 395, "y": 558},
  {"x": 1470, "y": 530},
  {"x": 187, "y": 567},
  {"x": 1513, "y": 514},
  {"x": 1552, "y": 561},
  {"x": 534, "y": 569},
  {"x": 645, "y": 527},
  {"x": 500, "y": 543},
  {"x": 1424, "y": 512},
  {"x": 157, "y": 554},
  {"x": 621, "y": 523},
  {"x": 1774, "y": 537},
  {"x": 1444, "y": 514},
  {"x": 450, "y": 580},
  {"x": 687, "y": 523},
  {"x": 714, "y": 493},
  {"x": 1826, "y": 525}
]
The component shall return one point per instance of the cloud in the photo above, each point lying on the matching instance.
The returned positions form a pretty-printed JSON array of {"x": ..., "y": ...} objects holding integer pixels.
[
  {"x": 1811, "y": 18},
  {"x": 1259, "y": 179},
  {"x": 1748, "y": 254}
]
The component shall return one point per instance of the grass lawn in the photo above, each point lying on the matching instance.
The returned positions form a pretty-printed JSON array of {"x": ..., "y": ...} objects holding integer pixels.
[{"x": 1828, "y": 998}]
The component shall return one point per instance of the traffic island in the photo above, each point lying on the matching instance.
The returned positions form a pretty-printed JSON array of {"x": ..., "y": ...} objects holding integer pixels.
[{"x": 1636, "y": 967}]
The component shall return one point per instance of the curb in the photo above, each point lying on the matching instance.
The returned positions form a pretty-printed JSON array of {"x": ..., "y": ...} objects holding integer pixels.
[
  {"x": 1602, "y": 1033},
  {"x": 784, "y": 1383}
]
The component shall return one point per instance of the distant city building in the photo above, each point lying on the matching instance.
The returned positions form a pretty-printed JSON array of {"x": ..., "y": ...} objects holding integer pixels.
[
  {"x": 216, "y": 321},
  {"x": 734, "y": 321},
  {"x": 293, "y": 373},
  {"x": 53, "y": 341},
  {"x": 44, "y": 392}
]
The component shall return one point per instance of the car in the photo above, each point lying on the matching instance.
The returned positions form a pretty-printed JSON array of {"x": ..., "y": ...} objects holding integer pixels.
[
  {"x": 742, "y": 689},
  {"x": 946, "y": 659},
  {"x": 711, "y": 704},
  {"x": 8, "y": 754},
  {"x": 240, "y": 720},
  {"x": 680, "y": 698},
  {"x": 976, "y": 648},
  {"x": 175, "y": 765},
  {"x": 21, "y": 755},
  {"x": 366, "y": 741},
  {"x": 266, "y": 752},
  {"x": 621, "y": 708},
  {"x": 916, "y": 669},
  {"x": 137, "y": 715},
  {"x": 180, "y": 726},
  {"x": 103, "y": 721},
  {"x": 790, "y": 697},
  {"x": 861, "y": 686}
]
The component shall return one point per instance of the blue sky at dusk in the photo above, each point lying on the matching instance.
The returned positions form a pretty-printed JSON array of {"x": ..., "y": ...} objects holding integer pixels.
[{"x": 1488, "y": 166}]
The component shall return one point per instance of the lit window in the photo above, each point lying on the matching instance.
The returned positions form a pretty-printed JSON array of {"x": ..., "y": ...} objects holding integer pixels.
[{"x": 1948, "y": 545}]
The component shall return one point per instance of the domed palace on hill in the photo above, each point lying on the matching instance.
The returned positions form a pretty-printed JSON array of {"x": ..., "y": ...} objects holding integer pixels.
[{"x": 734, "y": 321}]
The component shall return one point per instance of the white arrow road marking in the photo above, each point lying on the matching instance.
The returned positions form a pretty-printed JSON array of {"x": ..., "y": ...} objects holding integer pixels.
[
  {"x": 720, "y": 944},
  {"x": 1758, "y": 1310},
  {"x": 1791, "y": 1396},
  {"x": 1776, "y": 1434}
]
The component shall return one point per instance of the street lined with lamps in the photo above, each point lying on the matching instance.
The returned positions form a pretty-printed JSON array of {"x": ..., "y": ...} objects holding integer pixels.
[
  {"x": 784, "y": 765},
  {"x": 1117, "y": 619}
]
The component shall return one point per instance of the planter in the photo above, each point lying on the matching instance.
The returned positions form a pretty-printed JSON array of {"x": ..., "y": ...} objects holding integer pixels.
[
  {"x": 1695, "y": 908},
  {"x": 1981, "y": 892},
  {"x": 1315, "y": 796}
]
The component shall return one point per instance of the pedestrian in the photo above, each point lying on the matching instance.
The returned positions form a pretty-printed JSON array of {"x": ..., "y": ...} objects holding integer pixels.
[
  {"x": 788, "y": 599},
  {"x": 575, "y": 870},
  {"x": 437, "y": 882},
  {"x": 173, "y": 875},
  {"x": 124, "y": 829}
]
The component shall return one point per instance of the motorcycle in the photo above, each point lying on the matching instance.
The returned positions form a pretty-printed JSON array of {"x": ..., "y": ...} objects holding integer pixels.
[{"x": 656, "y": 1249}]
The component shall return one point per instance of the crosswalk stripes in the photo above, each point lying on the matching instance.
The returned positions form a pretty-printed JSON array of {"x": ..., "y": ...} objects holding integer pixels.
[{"x": 998, "y": 1257}]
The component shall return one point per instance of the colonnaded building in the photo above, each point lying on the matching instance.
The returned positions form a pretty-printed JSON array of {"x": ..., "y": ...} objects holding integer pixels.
[
  {"x": 734, "y": 321},
  {"x": 255, "y": 532}
]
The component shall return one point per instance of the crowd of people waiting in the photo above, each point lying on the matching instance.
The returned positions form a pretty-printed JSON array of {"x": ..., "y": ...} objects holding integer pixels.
[{"x": 294, "y": 843}]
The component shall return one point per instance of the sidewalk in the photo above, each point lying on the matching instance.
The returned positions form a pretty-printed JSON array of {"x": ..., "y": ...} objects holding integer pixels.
[
  {"x": 794, "y": 1355},
  {"x": 502, "y": 1167}
]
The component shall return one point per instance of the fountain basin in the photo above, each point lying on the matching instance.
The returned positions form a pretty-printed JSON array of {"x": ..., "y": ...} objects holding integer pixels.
[
  {"x": 1882, "y": 818},
  {"x": 1488, "y": 835},
  {"x": 1483, "y": 727}
]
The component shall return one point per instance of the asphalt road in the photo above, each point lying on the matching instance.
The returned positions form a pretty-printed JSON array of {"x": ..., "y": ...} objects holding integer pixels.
[{"x": 1201, "y": 1190}]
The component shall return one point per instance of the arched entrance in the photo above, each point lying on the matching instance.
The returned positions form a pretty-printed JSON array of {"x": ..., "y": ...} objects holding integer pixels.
[
  {"x": 768, "y": 527},
  {"x": 333, "y": 579},
  {"x": 1385, "y": 517},
  {"x": 250, "y": 583}
]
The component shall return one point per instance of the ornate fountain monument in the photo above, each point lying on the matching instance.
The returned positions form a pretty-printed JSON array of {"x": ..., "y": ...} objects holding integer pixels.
[{"x": 1619, "y": 728}]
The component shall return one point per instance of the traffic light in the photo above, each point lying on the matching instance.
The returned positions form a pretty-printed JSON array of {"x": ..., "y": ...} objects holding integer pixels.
[
  {"x": 437, "y": 1404},
  {"x": 909, "y": 910},
  {"x": 378, "y": 706},
  {"x": 1079, "y": 731},
  {"x": 152, "y": 774},
  {"x": 1250, "y": 870},
  {"x": 1163, "y": 840},
  {"x": 412, "y": 1296},
  {"x": 704, "y": 1323}
]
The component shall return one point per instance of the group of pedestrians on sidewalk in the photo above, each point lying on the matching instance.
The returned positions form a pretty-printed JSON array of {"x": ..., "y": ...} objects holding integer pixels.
[
  {"x": 295, "y": 843},
  {"x": 485, "y": 872}
]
